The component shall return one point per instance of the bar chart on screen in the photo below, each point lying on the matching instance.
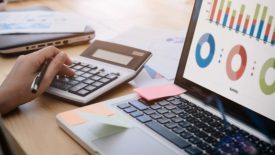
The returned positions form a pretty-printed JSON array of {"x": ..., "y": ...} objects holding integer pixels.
[{"x": 254, "y": 21}]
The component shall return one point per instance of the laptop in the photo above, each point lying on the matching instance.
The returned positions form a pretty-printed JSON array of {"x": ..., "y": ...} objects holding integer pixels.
[
  {"x": 229, "y": 105},
  {"x": 13, "y": 44}
]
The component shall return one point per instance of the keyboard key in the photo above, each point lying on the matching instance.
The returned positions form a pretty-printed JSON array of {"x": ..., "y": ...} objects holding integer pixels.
[
  {"x": 130, "y": 109},
  {"x": 136, "y": 114},
  {"x": 155, "y": 106},
  {"x": 178, "y": 130},
  {"x": 194, "y": 140},
  {"x": 177, "y": 119},
  {"x": 139, "y": 105},
  {"x": 144, "y": 118},
  {"x": 111, "y": 76},
  {"x": 177, "y": 111},
  {"x": 176, "y": 102},
  {"x": 123, "y": 105},
  {"x": 170, "y": 107},
  {"x": 102, "y": 74},
  {"x": 73, "y": 82},
  {"x": 186, "y": 135},
  {"x": 170, "y": 115},
  {"x": 61, "y": 85},
  {"x": 171, "y": 125},
  {"x": 156, "y": 116},
  {"x": 94, "y": 71},
  {"x": 79, "y": 73},
  {"x": 83, "y": 92},
  {"x": 149, "y": 111},
  {"x": 78, "y": 87},
  {"x": 185, "y": 124},
  {"x": 163, "y": 103},
  {"x": 167, "y": 134},
  {"x": 163, "y": 120},
  {"x": 77, "y": 67},
  {"x": 193, "y": 150},
  {"x": 162, "y": 111}
]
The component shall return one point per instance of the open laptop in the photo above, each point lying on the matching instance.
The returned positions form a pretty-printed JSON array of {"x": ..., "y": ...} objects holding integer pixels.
[{"x": 224, "y": 70}]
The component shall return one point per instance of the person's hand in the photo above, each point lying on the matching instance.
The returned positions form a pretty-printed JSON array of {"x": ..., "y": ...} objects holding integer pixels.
[{"x": 16, "y": 88}]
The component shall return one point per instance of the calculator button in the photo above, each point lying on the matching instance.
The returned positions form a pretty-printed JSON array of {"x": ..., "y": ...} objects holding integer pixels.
[
  {"x": 97, "y": 84},
  {"x": 61, "y": 85},
  {"x": 78, "y": 87},
  {"x": 90, "y": 88},
  {"x": 79, "y": 73},
  {"x": 77, "y": 67},
  {"x": 73, "y": 82},
  {"x": 102, "y": 74},
  {"x": 85, "y": 69},
  {"x": 89, "y": 81},
  {"x": 111, "y": 76},
  {"x": 63, "y": 79},
  {"x": 104, "y": 80},
  {"x": 87, "y": 75},
  {"x": 84, "y": 64},
  {"x": 79, "y": 78},
  {"x": 94, "y": 72},
  {"x": 96, "y": 77},
  {"x": 83, "y": 92}
]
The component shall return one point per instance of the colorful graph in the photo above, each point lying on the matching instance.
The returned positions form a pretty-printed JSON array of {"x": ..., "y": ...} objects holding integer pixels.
[
  {"x": 232, "y": 18},
  {"x": 267, "y": 89}
]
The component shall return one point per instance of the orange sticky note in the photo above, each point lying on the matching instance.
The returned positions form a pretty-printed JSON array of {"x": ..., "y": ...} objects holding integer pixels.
[
  {"x": 98, "y": 108},
  {"x": 72, "y": 118},
  {"x": 156, "y": 92}
]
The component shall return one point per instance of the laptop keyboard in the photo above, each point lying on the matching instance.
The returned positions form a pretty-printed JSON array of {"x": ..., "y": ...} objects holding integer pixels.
[
  {"x": 88, "y": 78},
  {"x": 193, "y": 129}
]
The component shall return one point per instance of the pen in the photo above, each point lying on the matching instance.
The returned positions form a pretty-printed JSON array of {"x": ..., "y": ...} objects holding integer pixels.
[{"x": 39, "y": 77}]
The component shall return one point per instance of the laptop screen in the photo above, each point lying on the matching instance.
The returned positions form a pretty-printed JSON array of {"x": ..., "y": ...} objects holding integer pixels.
[{"x": 230, "y": 52}]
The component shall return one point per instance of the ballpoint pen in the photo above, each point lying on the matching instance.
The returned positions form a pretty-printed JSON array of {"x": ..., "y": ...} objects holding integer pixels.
[{"x": 39, "y": 77}]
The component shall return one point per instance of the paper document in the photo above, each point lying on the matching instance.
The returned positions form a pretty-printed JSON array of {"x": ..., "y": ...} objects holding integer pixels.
[
  {"x": 40, "y": 22},
  {"x": 166, "y": 47}
]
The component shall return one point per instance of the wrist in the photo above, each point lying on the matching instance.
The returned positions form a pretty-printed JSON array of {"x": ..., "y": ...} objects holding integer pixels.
[{"x": 6, "y": 103}]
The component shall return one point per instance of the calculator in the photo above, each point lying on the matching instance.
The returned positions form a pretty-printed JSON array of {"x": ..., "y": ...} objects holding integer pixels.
[{"x": 101, "y": 67}]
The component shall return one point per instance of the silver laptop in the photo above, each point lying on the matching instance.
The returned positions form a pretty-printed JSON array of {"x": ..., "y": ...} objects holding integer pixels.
[{"x": 229, "y": 104}]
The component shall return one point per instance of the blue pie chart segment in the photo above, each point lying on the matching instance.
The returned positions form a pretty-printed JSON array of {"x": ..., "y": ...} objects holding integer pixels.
[{"x": 205, "y": 39}]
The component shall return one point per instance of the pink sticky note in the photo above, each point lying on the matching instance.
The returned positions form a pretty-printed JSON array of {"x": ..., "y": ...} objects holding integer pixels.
[{"x": 156, "y": 92}]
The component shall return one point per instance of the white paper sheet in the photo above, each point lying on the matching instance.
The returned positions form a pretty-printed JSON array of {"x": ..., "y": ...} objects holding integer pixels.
[
  {"x": 165, "y": 45},
  {"x": 40, "y": 22}
]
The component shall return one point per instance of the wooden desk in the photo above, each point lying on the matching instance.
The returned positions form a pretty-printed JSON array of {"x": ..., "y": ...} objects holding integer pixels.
[{"x": 33, "y": 124}]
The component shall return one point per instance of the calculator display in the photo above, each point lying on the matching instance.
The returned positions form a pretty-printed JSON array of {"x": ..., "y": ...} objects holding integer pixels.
[{"x": 113, "y": 57}]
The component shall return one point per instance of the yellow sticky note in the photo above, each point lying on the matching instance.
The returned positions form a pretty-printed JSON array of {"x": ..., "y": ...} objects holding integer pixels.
[
  {"x": 72, "y": 118},
  {"x": 98, "y": 108}
]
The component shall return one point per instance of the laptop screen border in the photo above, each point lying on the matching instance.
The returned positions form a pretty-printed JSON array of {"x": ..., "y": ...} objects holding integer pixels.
[{"x": 235, "y": 110}]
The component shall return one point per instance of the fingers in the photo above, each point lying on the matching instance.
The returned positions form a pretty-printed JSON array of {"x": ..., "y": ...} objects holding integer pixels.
[
  {"x": 54, "y": 67},
  {"x": 65, "y": 70}
]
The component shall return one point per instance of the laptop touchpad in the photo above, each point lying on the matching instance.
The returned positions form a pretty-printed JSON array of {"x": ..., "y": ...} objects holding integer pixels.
[{"x": 131, "y": 141}]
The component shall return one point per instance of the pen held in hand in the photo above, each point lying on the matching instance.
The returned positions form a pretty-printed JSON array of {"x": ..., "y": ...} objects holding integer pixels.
[{"x": 39, "y": 77}]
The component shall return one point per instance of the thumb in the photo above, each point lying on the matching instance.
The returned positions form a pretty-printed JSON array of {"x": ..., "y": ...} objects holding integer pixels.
[{"x": 54, "y": 67}]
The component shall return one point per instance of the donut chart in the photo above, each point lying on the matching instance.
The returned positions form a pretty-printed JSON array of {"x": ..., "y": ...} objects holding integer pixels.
[
  {"x": 236, "y": 50},
  {"x": 267, "y": 89},
  {"x": 205, "y": 39}
]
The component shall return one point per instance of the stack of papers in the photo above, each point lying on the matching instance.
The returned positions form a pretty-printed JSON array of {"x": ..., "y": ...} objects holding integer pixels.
[
  {"x": 40, "y": 22},
  {"x": 166, "y": 47}
]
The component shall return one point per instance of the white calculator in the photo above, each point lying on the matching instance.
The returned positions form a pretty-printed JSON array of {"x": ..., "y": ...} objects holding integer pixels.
[{"x": 98, "y": 69}]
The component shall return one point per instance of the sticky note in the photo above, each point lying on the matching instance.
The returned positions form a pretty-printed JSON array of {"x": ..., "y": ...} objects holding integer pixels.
[
  {"x": 114, "y": 120},
  {"x": 98, "y": 108},
  {"x": 156, "y": 92},
  {"x": 72, "y": 118}
]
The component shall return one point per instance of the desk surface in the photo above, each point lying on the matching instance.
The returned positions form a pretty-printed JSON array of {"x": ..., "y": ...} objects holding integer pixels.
[{"x": 33, "y": 124}]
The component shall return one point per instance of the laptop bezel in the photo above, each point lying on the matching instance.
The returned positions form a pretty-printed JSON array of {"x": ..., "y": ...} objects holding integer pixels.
[{"x": 235, "y": 110}]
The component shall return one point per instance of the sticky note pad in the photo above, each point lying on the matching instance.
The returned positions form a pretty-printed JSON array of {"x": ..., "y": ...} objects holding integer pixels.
[
  {"x": 156, "y": 92},
  {"x": 72, "y": 118},
  {"x": 98, "y": 108}
]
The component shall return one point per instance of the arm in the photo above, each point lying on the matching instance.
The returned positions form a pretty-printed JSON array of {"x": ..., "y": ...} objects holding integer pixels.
[{"x": 15, "y": 90}]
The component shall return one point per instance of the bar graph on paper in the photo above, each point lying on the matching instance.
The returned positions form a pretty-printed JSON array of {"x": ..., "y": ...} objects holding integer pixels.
[{"x": 258, "y": 24}]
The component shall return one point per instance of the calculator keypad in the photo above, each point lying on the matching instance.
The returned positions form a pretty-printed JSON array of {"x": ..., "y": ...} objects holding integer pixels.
[{"x": 88, "y": 78}]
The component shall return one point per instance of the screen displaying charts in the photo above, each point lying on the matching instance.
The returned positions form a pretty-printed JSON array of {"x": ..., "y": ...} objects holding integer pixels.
[{"x": 233, "y": 52}]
